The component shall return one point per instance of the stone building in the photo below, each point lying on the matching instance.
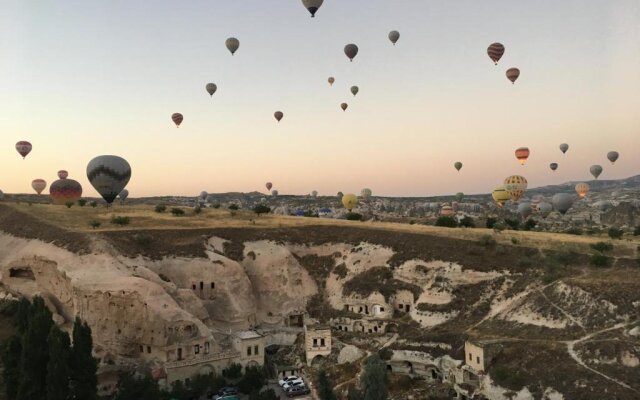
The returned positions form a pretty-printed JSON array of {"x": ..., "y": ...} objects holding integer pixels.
[
  {"x": 479, "y": 354},
  {"x": 317, "y": 342}
]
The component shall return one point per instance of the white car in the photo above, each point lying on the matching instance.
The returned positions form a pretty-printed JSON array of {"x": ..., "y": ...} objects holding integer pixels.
[
  {"x": 289, "y": 378},
  {"x": 291, "y": 384}
]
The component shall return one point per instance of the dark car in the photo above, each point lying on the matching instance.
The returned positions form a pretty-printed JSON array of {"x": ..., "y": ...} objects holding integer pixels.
[{"x": 298, "y": 391}]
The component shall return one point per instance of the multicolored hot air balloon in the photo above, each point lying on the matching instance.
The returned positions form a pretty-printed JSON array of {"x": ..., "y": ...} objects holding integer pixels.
[
  {"x": 613, "y": 156},
  {"x": 515, "y": 185},
  {"x": 582, "y": 189},
  {"x": 564, "y": 147},
  {"x": 65, "y": 191},
  {"x": 446, "y": 211},
  {"x": 349, "y": 201},
  {"x": 495, "y": 52},
  {"x": 513, "y": 74},
  {"x": 232, "y": 44},
  {"x": 394, "y": 36},
  {"x": 500, "y": 196},
  {"x": 278, "y": 115},
  {"x": 553, "y": 166},
  {"x": 123, "y": 195},
  {"x": 211, "y": 88},
  {"x": 312, "y": 6},
  {"x": 177, "y": 119},
  {"x": 351, "y": 51},
  {"x": 268, "y": 185},
  {"x": 23, "y": 147},
  {"x": 595, "y": 170},
  {"x": 522, "y": 154},
  {"x": 109, "y": 175},
  {"x": 562, "y": 202},
  {"x": 344, "y": 106},
  {"x": 62, "y": 174},
  {"x": 457, "y": 165},
  {"x": 38, "y": 185},
  {"x": 331, "y": 80},
  {"x": 355, "y": 90},
  {"x": 366, "y": 193}
]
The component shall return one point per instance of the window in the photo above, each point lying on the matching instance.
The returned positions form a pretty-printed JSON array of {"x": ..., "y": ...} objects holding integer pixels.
[
  {"x": 255, "y": 350},
  {"x": 141, "y": 349},
  {"x": 213, "y": 285},
  {"x": 180, "y": 353},
  {"x": 315, "y": 342},
  {"x": 322, "y": 342},
  {"x": 248, "y": 350},
  {"x": 470, "y": 357},
  {"x": 193, "y": 286},
  {"x": 201, "y": 285},
  {"x": 196, "y": 349},
  {"x": 381, "y": 309},
  {"x": 400, "y": 306},
  {"x": 149, "y": 349},
  {"x": 478, "y": 360},
  {"x": 206, "y": 347}
]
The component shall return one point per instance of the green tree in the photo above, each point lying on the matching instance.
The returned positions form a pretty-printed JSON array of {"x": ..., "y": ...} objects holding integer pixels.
[
  {"x": 325, "y": 386},
  {"x": 59, "y": 366},
  {"x": 35, "y": 353},
  {"x": 261, "y": 209},
  {"x": 491, "y": 221},
  {"x": 529, "y": 224},
  {"x": 11, "y": 363},
  {"x": 84, "y": 382},
  {"x": 375, "y": 380},
  {"x": 615, "y": 233},
  {"x": 82, "y": 202},
  {"x": 132, "y": 388},
  {"x": 446, "y": 221},
  {"x": 22, "y": 315},
  {"x": 253, "y": 379},
  {"x": 160, "y": 208},
  {"x": 467, "y": 222}
]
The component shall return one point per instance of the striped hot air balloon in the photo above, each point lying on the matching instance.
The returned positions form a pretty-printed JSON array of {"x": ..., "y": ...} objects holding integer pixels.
[
  {"x": 278, "y": 115},
  {"x": 109, "y": 175},
  {"x": 500, "y": 196},
  {"x": 38, "y": 185},
  {"x": 312, "y": 6},
  {"x": 495, "y": 52},
  {"x": 522, "y": 154},
  {"x": 513, "y": 74},
  {"x": 515, "y": 185},
  {"x": 582, "y": 189},
  {"x": 62, "y": 174},
  {"x": 446, "y": 211},
  {"x": 232, "y": 44},
  {"x": 23, "y": 147},
  {"x": 64, "y": 191},
  {"x": 177, "y": 119}
]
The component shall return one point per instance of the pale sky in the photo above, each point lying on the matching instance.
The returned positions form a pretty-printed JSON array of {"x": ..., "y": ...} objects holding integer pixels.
[{"x": 85, "y": 78}]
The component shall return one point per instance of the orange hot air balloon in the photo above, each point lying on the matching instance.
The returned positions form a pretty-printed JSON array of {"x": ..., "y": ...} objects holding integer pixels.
[
  {"x": 522, "y": 154},
  {"x": 582, "y": 189}
]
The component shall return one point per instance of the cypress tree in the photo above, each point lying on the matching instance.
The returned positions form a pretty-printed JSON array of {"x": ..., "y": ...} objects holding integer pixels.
[
  {"x": 84, "y": 382},
  {"x": 375, "y": 379},
  {"x": 59, "y": 366},
  {"x": 325, "y": 387},
  {"x": 11, "y": 364}
]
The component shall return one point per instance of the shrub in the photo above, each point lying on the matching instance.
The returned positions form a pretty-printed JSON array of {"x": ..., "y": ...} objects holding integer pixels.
[
  {"x": 118, "y": 220},
  {"x": 514, "y": 240},
  {"x": 82, "y": 202},
  {"x": 499, "y": 227},
  {"x": 529, "y": 225},
  {"x": 197, "y": 209},
  {"x": 446, "y": 221},
  {"x": 69, "y": 204},
  {"x": 467, "y": 222},
  {"x": 341, "y": 271},
  {"x": 95, "y": 224},
  {"x": 491, "y": 222},
  {"x": 513, "y": 224},
  {"x": 142, "y": 239},
  {"x": 234, "y": 371},
  {"x": 234, "y": 207},
  {"x": 601, "y": 246},
  {"x": 261, "y": 209},
  {"x": 352, "y": 216},
  {"x": 93, "y": 204},
  {"x": 487, "y": 241},
  {"x": 160, "y": 208},
  {"x": 216, "y": 206},
  {"x": 574, "y": 231},
  {"x": 636, "y": 231},
  {"x": 600, "y": 260},
  {"x": 615, "y": 233},
  {"x": 385, "y": 353},
  {"x": 177, "y": 211}
]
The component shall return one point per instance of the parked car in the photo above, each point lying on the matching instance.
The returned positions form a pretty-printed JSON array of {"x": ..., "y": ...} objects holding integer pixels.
[
  {"x": 227, "y": 393},
  {"x": 289, "y": 378},
  {"x": 294, "y": 383},
  {"x": 226, "y": 397},
  {"x": 298, "y": 391}
]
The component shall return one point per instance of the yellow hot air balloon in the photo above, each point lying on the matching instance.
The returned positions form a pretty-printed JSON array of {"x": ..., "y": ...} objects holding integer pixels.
[
  {"x": 349, "y": 201},
  {"x": 515, "y": 185},
  {"x": 500, "y": 196},
  {"x": 582, "y": 189}
]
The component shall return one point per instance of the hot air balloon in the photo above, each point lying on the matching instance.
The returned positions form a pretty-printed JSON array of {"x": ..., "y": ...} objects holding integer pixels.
[
  {"x": 65, "y": 191},
  {"x": 211, "y": 88},
  {"x": 278, "y": 115},
  {"x": 349, "y": 201},
  {"x": 524, "y": 209},
  {"x": 109, "y": 175},
  {"x": 515, "y": 185},
  {"x": 365, "y": 193},
  {"x": 394, "y": 36},
  {"x": 232, "y": 45},
  {"x": 513, "y": 74},
  {"x": 62, "y": 174},
  {"x": 314, "y": 194},
  {"x": 544, "y": 208},
  {"x": 38, "y": 185},
  {"x": 595, "y": 170},
  {"x": 177, "y": 119},
  {"x": 123, "y": 195},
  {"x": 355, "y": 90},
  {"x": 613, "y": 156},
  {"x": 344, "y": 106},
  {"x": 339, "y": 195},
  {"x": 562, "y": 202},
  {"x": 446, "y": 211},
  {"x": 268, "y": 185},
  {"x": 553, "y": 166},
  {"x": 312, "y": 6},
  {"x": 331, "y": 80},
  {"x": 522, "y": 154},
  {"x": 459, "y": 196},
  {"x": 23, "y": 147},
  {"x": 564, "y": 147},
  {"x": 351, "y": 51},
  {"x": 457, "y": 165},
  {"x": 500, "y": 196},
  {"x": 203, "y": 195},
  {"x": 582, "y": 189},
  {"x": 495, "y": 52},
  {"x": 274, "y": 193}
]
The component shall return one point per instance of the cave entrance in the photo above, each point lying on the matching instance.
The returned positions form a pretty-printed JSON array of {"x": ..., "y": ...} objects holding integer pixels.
[
  {"x": 22, "y": 273},
  {"x": 296, "y": 320}
]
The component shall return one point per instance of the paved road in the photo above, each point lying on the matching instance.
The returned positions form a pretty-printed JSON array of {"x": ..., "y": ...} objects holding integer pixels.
[{"x": 283, "y": 396}]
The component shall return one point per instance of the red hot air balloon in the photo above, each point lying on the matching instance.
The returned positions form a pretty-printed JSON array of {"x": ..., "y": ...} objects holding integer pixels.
[
  {"x": 495, "y": 51},
  {"x": 65, "y": 190},
  {"x": 23, "y": 147},
  {"x": 522, "y": 154},
  {"x": 177, "y": 119},
  {"x": 38, "y": 185},
  {"x": 269, "y": 185},
  {"x": 62, "y": 174}
]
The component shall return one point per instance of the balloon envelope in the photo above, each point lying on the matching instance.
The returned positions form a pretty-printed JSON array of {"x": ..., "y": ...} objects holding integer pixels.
[
  {"x": 123, "y": 194},
  {"x": 544, "y": 208},
  {"x": 354, "y": 90},
  {"x": 314, "y": 193},
  {"x": 515, "y": 185},
  {"x": 582, "y": 189},
  {"x": 274, "y": 193},
  {"x": 331, "y": 80},
  {"x": 278, "y": 115},
  {"x": 351, "y": 51},
  {"x": 524, "y": 209},
  {"x": 394, "y": 36},
  {"x": 269, "y": 185},
  {"x": 203, "y": 195},
  {"x": 562, "y": 202},
  {"x": 522, "y": 154},
  {"x": 613, "y": 156},
  {"x": 365, "y": 193},
  {"x": 312, "y": 6},
  {"x": 344, "y": 106},
  {"x": 595, "y": 170},
  {"x": 232, "y": 45},
  {"x": 457, "y": 165},
  {"x": 513, "y": 74},
  {"x": 500, "y": 195},
  {"x": 459, "y": 196},
  {"x": 62, "y": 174},
  {"x": 349, "y": 201},
  {"x": 211, "y": 88},
  {"x": 177, "y": 119},
  {"x": 23, "y": 147},
  {"x": 553, "y": 166},
  {"x": 495, "y": 52},
  {"x": 564, "y": 147},
  {"x": 38, "y": 185},
  {"x": 109, "y": 175},
  {"x": 64, "y": 191}
]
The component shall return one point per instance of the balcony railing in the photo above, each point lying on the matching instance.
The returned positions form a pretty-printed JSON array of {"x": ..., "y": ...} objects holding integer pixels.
[{"x": 203, "y": 359}]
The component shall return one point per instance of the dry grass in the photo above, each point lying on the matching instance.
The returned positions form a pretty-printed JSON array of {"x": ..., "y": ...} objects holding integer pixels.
[{"x": 144, "y": 217}]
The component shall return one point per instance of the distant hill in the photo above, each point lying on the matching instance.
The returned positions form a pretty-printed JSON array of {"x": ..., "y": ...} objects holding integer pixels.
[{"x": 632, "y": 182}]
